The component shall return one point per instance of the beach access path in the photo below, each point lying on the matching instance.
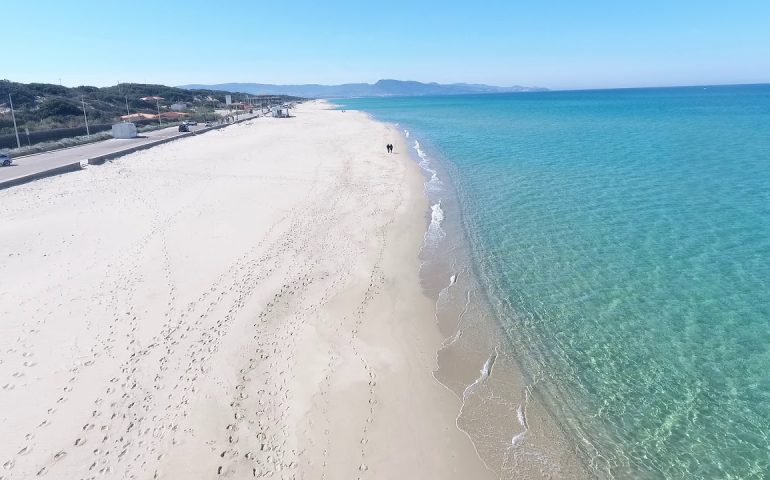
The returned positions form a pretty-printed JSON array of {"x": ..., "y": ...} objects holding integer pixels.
[
  {"x": 240, "y": 304},
  {"x": 40, "y": 165}
]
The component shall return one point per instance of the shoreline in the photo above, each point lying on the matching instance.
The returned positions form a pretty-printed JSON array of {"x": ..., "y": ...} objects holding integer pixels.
[
  {"x": 517, "y": 435},
  {"x": 258, "y": 313}
]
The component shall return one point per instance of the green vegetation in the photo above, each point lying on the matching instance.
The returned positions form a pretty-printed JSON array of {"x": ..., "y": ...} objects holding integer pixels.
[
  {"x": 44, "y": 106},
  {"x": 65, "y": 142},
  {"x": 58, "y": 107}
]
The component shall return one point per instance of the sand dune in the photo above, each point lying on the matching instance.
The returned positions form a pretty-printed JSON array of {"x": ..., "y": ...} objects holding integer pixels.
[{"x": 240, "y": 304}]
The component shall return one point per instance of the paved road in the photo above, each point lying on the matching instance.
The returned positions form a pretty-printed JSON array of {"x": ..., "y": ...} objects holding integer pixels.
[{"x": 31, "y": 164}]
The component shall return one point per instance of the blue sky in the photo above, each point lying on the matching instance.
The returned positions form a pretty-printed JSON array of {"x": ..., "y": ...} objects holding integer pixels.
[{"x": 559, "y": 44}]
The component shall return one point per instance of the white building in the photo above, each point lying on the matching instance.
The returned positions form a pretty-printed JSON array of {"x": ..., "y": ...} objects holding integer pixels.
[
  {"x": 280, "y": 112},
  {"x": 124, "y": 130}
]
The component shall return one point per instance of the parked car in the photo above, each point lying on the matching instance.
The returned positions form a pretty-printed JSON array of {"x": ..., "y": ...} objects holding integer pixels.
[
  {"x": 192, "y": 123},
  {"x": 184, "y": 128},
  {"x": 5, "y": 160}
]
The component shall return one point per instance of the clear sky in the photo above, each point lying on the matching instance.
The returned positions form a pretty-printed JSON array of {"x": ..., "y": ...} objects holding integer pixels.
[{"x": 559, "y": 44}]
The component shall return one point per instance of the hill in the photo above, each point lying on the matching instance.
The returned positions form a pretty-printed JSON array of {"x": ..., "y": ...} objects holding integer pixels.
[
  {"x": 382, "y": 88},
  {"x": 44, "y": 106}
]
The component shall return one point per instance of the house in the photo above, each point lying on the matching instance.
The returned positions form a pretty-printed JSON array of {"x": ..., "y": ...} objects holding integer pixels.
[
  {"x": 152, "y": 116},
  {"x": 173, "y": 115},
  {"x": 239, "y": 106},
  {"x": 138, "y": 116}
]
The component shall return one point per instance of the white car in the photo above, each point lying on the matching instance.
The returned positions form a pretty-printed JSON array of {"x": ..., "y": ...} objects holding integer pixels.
[{"x": 5, "y": 160}]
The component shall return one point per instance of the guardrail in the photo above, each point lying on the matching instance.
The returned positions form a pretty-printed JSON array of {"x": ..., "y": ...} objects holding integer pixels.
[
  {"x": 12, "y": 182},
  {"x": 101, "y": 159}
]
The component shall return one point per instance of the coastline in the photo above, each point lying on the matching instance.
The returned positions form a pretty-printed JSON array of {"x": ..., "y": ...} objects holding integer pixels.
[
  {"x": 514, "y": 430},
  {"x": 248, "y": 298},
  {"x": 579, "y": 247}
]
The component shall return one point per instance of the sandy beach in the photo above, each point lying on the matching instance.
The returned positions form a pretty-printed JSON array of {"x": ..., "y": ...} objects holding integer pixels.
[{"x": 245, "y": 303}]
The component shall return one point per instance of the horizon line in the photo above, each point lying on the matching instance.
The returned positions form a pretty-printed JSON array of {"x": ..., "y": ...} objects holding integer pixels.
[{"x": 549, "y": 89}]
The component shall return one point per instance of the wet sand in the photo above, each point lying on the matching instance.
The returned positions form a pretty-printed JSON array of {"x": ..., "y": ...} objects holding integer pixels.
[{"x": 516, "y": 430}]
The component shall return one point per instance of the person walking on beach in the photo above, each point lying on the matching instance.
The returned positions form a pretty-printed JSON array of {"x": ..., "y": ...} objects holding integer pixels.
[{"x": 389, "y": 147}]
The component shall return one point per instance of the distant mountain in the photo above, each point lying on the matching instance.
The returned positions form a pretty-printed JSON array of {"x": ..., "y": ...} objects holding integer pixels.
[{"x": 383, "y": 88}]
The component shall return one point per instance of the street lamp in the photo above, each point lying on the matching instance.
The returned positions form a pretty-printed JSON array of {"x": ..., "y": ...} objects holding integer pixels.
[
  {"x": 88, "y": 132},
  {"x": 13, "y": 115}
]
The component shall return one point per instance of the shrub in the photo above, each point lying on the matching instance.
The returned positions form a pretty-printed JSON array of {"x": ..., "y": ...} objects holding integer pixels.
[{"x": 57, "y": 107}]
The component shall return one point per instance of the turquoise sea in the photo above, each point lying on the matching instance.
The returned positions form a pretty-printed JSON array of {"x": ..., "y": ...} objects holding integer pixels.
[{"x": 623, "y": 237}]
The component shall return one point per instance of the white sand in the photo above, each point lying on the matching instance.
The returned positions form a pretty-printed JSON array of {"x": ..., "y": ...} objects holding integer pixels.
[{"x": 242, "y": 303}]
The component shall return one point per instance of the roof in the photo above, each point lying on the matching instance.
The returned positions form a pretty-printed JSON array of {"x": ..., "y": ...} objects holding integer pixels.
[
  {"x": 151, "y": 116},
  {"x": 138, "y": 116},
  {"x": 172, "y": 115}
]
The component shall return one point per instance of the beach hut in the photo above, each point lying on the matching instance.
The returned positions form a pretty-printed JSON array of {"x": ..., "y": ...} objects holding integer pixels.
[
  {"x": 124, "y": 130},
  {"x": 280, "y": 112}
]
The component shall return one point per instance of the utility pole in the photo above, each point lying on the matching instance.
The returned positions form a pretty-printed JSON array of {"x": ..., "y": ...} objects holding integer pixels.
[
  {"x": 157, "y": 104},
  {"x": 88, "y": 132},
  {"x": 128, "y": 112},
  {"x": 13, "y": 115}
]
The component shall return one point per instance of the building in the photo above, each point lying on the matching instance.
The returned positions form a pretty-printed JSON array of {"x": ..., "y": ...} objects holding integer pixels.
[
  {"x": 239, "y": 106},
  {"x": 280, "y": 112},
  {"x": 124, "y": 130},
  {"x": 173, "y": 115},
  {"x": 138, "y": 116},
  {"x": 153, "y": 116}
]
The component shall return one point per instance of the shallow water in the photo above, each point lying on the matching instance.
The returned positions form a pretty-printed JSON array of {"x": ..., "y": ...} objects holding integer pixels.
[{"x": 622, "y": 239}]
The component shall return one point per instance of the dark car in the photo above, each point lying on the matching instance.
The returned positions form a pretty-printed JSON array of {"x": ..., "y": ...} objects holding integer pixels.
[
  {"x": 5, "y": 160},
  {"x": 184, "y": 128}
]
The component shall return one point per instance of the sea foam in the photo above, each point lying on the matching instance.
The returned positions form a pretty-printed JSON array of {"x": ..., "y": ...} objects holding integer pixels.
[
  {"x": 434, "y": 183},
  {"x": 435, "y": 233}
]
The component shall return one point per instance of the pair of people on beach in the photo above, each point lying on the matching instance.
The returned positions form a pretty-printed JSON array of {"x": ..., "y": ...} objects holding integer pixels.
[{"x": 389, "y": 147}]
